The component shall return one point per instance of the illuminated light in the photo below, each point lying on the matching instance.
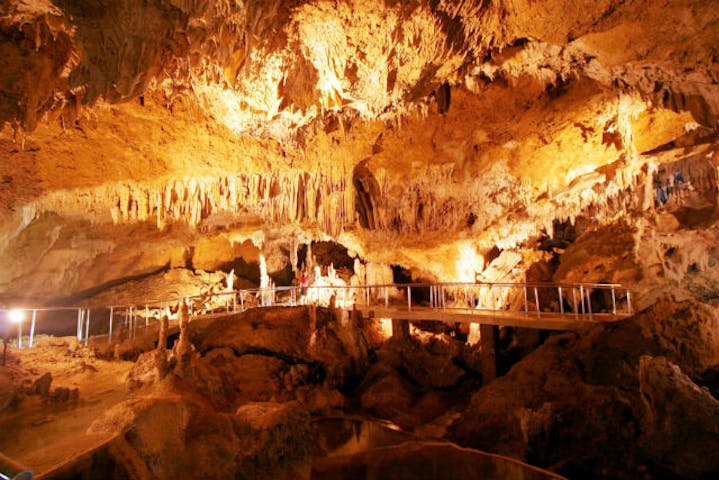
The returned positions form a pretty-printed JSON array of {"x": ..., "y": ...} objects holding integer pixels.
[
  {"x": 474, "y": 335},
  {"x": 16, "y": 315},
  {"x": 386, "y": 327},
  {"x": 469, "y": 263}
]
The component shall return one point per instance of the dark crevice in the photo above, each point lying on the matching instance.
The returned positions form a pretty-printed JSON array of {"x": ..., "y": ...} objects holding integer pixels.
[
  {"x": 91, "y": 292},
  {"x": 289, "y": 359},
  {"x": 367, "y": 192},
  {"x": 444, "y": 97}
]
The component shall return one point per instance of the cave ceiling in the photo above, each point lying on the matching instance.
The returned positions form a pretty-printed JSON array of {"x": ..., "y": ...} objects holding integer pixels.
[{"x": 411, "y": 132}]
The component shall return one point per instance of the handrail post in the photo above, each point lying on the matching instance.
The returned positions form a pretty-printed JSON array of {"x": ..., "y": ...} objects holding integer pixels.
[
  {"x": 574, "y": 302},
  {"x": 629, "y": 302},
  {"x": 10, "y": 469},
  {"x": 561, "y": 301},
  {"x": 32, "y": 327},
  {"x": 581, "y": 296},
  {"x": 87, "y": 326},
  {"x": 79, "y": 324},
  {"x": 614, "y": 302},
  {"x": 109, "y": 334},
  {"x": 409, "y": 298},
  {"x": 242, "y": 301},
  {"x": 526, "y": 301},
  {"x": 147, "y": 316},
  {"x": 536, "y": 301},
  {"x": 386, "y": 297},
  {"x": 589, "y": 302}
]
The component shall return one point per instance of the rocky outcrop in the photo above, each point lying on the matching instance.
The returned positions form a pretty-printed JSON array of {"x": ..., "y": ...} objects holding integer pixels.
[
  {"x": 271, "y": 354},
  {"x": 680, "y": 423},
  {"x": 410, "y": 382},
  {"x": 583, "y": 404},
  {"x": 253, "y": 442},
  {"x": 272, "y": 436},
  {"x": 264, "y": 371}
]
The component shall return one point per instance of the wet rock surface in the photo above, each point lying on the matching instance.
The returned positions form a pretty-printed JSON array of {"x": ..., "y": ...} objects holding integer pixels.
[{"x": 425, "y": 460}]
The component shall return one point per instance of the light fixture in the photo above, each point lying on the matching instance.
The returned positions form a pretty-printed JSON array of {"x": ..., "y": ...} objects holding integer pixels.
[{"x": 16, "y": 315}]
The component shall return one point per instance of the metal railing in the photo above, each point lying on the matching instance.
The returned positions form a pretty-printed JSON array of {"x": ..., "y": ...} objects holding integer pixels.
[
  {"x": 11, "y": 470},
  {"x": 582, "y": 301}
]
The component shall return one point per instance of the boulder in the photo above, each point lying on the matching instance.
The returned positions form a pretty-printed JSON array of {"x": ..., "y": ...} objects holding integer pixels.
[
  {"x": 315, "y": 350},
  {"x": 149, "y": 368},
  {"x": 272, "y": 436},
  {"x": 387, "y": 395},
  {"x": 680, "y": 425},
  {"x": 412, "y": 380},
  {"x": 41, "y": 386}
]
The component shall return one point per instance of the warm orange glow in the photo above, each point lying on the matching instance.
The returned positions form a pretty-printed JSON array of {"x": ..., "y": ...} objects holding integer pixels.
[
  {"x": 474, "y": 336},
  {"x": 469, "y": 263},
  {"x": 16, "y": 315},
  {"x": 386, "y": 327}
]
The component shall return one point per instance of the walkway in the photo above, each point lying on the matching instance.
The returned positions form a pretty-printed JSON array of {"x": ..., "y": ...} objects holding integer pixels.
[{"x": 529, "y": 305}]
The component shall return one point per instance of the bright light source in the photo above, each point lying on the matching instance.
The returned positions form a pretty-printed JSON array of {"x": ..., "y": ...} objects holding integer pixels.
[
  {"x": 386, "y": 327},
  {"x": 16, "y": 315}
]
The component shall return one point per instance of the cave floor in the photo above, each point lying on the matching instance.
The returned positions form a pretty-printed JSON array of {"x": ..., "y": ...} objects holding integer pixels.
[{"x": 46, "y": 429}]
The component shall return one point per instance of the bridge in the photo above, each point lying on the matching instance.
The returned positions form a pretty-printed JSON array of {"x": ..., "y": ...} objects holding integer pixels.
[{"x": 529, "y": 305}]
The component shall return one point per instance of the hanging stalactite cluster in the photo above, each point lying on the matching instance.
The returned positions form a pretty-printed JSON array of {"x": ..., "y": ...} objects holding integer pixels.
[{"x": 321, "y": 199}]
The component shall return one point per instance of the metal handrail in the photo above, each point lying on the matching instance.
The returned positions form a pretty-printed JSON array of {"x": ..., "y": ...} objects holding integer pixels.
[
  {"x": 441, "y": 296},
  {"x": 11, "y": 470}
]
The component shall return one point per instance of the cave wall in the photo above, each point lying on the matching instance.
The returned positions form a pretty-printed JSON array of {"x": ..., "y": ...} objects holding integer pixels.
[{"x": 443, "y": 130}]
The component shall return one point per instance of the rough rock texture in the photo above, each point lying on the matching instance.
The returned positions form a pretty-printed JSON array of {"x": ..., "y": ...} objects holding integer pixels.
[
  {"x": 411, "y": 382},
  {"x": 278, "y": 354},
  {"x": 8, "y": 390},
  {"x": 218, "y": 121},
  {"x": 272, "y": 435},
  {"x": 253, "y": 443},
  {"x": 144, "y": 141},
  {"x": 210, "y": 394},
  {"x": 578, "y": 404},
  {"x": 680, "y": 427}
]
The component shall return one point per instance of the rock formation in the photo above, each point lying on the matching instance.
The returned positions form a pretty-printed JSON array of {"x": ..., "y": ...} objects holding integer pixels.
[
  {"x": 356, "y": 121},
  {"x": 149, "y": 149}
]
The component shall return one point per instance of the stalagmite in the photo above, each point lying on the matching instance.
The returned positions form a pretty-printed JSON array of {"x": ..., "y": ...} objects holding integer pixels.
[{"x": 183, "y": 348}]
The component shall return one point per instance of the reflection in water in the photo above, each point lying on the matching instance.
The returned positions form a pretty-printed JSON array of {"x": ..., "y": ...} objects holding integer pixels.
[
  {"x": 346, "y": 436},
  {"x": 353, "y": 449}
]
